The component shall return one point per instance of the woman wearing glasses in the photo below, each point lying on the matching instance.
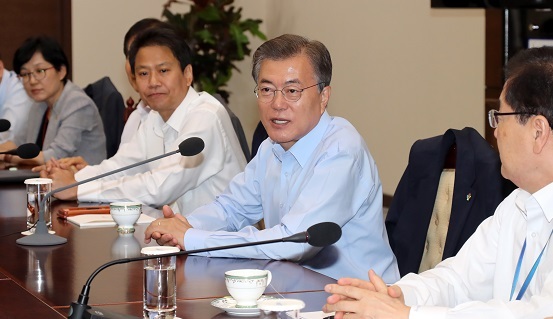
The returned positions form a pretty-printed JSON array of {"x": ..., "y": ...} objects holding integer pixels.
[{"x": 63, "y": 121}]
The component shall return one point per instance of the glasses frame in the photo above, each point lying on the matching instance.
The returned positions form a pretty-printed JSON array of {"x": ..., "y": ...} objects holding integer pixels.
[
  {"x": 39, "y": 75},
  {"x": 256, "y": 90},
  {"x": 493, "y": 116}
]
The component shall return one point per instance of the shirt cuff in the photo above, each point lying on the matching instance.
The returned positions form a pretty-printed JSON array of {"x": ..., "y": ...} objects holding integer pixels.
[
  {"x": 427, "y": 312},
  {"x": 195, "y": 238},
  {"x": 84, "y": 173},
  {"x": 88, "y": 192}
]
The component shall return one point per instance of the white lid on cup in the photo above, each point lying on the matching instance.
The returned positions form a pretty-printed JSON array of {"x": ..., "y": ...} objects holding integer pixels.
[
  {"x": 159, "y": 250},
  {"x": 35, "y": 181},
  {"x": 280, "y": 305}
]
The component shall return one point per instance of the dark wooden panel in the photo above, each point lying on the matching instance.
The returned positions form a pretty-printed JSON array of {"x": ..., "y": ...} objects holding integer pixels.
[
  {"x": 494, "y": 48},
  {"x": 494, "y": 66},
  {"x": 20, "y": 19}
]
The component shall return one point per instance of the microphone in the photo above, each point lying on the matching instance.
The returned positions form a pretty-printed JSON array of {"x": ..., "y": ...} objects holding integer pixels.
[
  {"x": 4, "y": 125},
  {"x": 25, "y": 151},
  {"x": 318, "y": 235},
  {"x": 189, "y": 147}
]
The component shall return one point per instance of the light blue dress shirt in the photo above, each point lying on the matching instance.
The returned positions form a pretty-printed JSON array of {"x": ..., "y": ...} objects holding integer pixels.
[{"x": 327, "y": 176}]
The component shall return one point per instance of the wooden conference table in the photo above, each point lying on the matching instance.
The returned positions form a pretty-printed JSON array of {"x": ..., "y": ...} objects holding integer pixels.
[{"x": 41, "y": 282}]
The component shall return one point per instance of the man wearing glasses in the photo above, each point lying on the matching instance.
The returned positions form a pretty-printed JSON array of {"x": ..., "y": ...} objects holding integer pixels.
[
  {"x": 313, "y": 168},
  {"x": 505, "y": 269}
]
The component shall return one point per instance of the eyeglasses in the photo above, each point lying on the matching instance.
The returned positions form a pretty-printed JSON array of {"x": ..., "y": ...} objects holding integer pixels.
[
  {"x": 39, "y": 75},
  {"x": 291, "y": 93},
  {"x": 493, "y": 116}
]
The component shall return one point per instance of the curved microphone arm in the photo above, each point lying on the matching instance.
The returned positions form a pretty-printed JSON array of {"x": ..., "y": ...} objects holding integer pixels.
[
  {"x": 195, "y": 251},
  {"x": 41, "y": 237}
]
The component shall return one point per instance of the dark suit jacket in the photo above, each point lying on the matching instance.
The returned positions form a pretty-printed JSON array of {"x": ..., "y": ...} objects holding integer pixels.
[{"x": 478, "y": 189}]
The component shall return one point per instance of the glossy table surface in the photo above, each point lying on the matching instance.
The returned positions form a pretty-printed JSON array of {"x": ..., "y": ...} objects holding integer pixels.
[{"x": 52, "y": 277}]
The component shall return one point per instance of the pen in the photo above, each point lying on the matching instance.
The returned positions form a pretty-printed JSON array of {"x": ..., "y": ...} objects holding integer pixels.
[
  {"x": 86, "y": 207},
  {"x": 74, "y": 211}
]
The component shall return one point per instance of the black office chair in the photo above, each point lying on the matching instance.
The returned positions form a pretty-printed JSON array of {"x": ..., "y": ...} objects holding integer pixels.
[
  {"x": 259, "y": 135},
  {"x": 451, "y": 184},
  {"x": 112, "y": 108}
]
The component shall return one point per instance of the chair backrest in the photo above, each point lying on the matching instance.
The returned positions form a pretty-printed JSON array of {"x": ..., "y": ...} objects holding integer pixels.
[
  {"x": 478, "y": 188},
  {"x": 237, "y": 128},
  {"x": 111, "y": 107},
  {"x": 259, "y": 135}
]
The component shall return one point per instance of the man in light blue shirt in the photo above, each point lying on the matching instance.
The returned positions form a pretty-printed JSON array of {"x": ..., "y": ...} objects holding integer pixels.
[{"x": 313, "y": 168}]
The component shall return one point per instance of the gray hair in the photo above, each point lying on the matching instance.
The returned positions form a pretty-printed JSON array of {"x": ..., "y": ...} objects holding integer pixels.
[{"x": 290, "y": 45}]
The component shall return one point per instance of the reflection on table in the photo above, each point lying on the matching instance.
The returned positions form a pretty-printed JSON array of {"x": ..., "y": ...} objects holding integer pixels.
[{"x": 54, "y": 275}]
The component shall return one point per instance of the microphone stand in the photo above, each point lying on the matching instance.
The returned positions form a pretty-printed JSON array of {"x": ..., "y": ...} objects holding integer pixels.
[{"x": 41, "y": 237}]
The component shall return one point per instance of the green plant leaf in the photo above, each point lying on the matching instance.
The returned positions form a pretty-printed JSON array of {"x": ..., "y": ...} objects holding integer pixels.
[{"x": 218, "y": 36}]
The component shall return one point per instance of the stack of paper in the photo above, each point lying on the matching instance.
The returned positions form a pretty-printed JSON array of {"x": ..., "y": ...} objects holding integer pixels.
[{"x": 102, "y": 220}]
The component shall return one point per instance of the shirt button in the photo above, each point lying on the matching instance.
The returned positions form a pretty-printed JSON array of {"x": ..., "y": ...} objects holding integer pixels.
[
  {"x": 281, "y": 205},
  {"x": 534, "y": 234}
]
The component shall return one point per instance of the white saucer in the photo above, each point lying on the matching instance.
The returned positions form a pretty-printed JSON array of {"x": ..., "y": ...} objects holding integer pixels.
[
  {"x": 228, "y": 304},
  {"x": 27, "y": 232}
]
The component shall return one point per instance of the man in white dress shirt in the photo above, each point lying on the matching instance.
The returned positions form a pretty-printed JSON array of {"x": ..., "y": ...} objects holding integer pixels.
[
  {"x": 141, "y": 111},
  {"x": 161, "y": 63},
  {"x": 505, "y": 269}
]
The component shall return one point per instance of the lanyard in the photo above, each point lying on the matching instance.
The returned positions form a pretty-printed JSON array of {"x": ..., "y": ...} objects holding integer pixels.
[{"x": 530, "y": 274}]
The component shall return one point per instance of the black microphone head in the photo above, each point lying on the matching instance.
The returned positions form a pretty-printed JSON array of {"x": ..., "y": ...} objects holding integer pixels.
[
  {"x": 27, "y": 151},
  {"x": 191, "y": 146},
  {"x": 323, "y": 234},
  {"x": 4, "y": 125}
]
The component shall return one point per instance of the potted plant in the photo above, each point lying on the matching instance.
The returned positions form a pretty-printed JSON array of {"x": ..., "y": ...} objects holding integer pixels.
[{"x": 217, "y": 35}]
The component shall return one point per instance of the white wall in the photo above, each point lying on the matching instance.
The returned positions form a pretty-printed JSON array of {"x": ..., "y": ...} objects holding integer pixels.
[{"x": 402, "y": 71}]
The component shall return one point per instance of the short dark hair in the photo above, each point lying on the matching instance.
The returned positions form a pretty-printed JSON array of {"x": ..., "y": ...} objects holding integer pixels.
[
  {"x": 165, "y": 37},
  {"x": 290, "y": 45},
  {"x": 138, "y": 27},
  {"x": 537, "y": 56},
  {"x": 529, "y": 86},
  {"x": 51, "y": 51}
]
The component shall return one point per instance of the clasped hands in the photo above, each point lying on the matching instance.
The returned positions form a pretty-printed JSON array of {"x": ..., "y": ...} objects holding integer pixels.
[
  {"x": 62, "y": 172},
  {"x": 356, "y": 298},
  {"x": 169, "y": 230}
]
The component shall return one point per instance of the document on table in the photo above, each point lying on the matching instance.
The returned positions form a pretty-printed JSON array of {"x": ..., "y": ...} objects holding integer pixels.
[
  {"x": 316, "y": 315},
  {"x": 105, "y": 220}
]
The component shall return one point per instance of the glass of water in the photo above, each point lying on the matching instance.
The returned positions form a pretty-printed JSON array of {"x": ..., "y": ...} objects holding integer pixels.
[
  {"x": 37, "y": 188},
  {"x": 160, "y": 285}
]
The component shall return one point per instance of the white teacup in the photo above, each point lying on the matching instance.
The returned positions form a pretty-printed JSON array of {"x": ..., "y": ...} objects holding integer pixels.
[
  {"x": 247, "y": 285},
  {"x": 125, "y": 214}
]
